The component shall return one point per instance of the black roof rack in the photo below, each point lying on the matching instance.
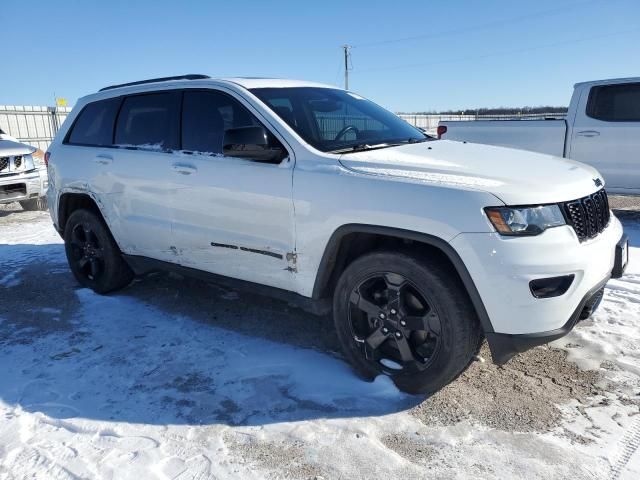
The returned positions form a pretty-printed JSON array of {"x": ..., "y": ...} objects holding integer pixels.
[{"x": 191, "y": 76}]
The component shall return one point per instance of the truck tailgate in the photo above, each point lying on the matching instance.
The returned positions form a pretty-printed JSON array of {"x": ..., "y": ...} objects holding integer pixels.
[{"x": 543, "y": 136}]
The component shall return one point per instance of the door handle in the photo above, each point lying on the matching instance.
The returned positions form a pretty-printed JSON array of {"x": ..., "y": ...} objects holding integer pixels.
[
  {"x": 588, "y": 133},
  {"x": 103, "y": 159},
  {"x": 184, "y": 168}
]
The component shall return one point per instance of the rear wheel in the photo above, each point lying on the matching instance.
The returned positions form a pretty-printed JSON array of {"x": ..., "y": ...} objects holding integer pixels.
[
  {"x": 407, "y": 317},
  {"x": 93, "y": 255},
  {"x": 34, "y": 204}
]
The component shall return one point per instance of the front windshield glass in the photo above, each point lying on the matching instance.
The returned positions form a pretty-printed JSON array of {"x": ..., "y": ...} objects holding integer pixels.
[{"x": 335, "y": 120}]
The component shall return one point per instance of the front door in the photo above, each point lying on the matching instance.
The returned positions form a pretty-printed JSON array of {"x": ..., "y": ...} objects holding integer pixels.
[{"x": 231, "y": 216}]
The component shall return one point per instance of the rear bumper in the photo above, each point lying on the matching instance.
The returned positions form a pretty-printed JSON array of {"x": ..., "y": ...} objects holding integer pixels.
[{"x": 504, "y": 346}]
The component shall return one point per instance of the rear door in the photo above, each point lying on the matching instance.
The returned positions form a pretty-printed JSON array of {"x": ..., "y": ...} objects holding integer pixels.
[
  {"x": 232, "y": 216},
  {"x": 606, "y": 134},
  {"x": 137, "y": 173}
]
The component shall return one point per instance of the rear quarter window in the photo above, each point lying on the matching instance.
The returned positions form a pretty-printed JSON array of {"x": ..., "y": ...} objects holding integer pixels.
[
  {"x": 615, "y": 103},
  {"x": 94, "y": 125}
]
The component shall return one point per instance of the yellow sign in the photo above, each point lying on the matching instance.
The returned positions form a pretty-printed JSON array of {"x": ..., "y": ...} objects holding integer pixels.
[{"x": 61, "y": 102}]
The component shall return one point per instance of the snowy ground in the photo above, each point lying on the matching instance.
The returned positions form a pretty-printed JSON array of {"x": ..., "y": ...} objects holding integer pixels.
[{"x": 177, "y": 379}]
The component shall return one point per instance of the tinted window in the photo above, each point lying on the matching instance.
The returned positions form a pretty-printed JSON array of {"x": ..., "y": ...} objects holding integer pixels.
[
  {"x": 149, "y": 120},
  {"x": 94, "y": 125},
  {"x": 206, "y": 116},
  {"x": 615, "y": 103},
  {"x": 334, "y": 120}
]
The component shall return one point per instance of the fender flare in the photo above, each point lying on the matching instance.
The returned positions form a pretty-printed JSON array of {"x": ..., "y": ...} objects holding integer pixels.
[{"x": 329, "y": 256}]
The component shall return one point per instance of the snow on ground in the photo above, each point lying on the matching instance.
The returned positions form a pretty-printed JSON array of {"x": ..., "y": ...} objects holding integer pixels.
[{"x": 177, "y": 379}]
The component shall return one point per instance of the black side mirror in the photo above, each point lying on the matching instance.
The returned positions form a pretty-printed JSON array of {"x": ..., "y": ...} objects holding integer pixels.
[{"x": 253, "y": 143}]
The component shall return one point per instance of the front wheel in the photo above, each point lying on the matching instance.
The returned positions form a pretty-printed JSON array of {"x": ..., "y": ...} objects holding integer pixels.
[
  {"x": 94, "y": 257},
  {"x": 405, "y": 316}
]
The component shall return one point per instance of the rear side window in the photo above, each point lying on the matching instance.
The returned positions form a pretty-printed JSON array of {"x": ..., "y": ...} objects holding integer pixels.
[
  {"x": 615, "y": 103},
  {"x": 94, "y": 125},
  {"x": 206, "y": 116},
  {"x": 149, "y": 120}
]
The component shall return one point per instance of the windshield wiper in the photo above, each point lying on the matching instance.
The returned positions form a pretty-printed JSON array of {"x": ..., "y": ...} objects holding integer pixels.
[{"x": 361, "y": 147}]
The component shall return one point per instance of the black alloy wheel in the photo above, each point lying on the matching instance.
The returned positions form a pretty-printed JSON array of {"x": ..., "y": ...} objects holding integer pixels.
[
  {"x": 93, "y": 255},
  {"x": 405, "y": 314},
  {"x": 86, "y": 251},
  {"x": 394, "y": 324}
]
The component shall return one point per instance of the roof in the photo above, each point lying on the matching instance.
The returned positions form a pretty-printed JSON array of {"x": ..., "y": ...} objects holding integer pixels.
[
  {"x": 609, "y": 81},
  {"x": 196, "y": 79}
]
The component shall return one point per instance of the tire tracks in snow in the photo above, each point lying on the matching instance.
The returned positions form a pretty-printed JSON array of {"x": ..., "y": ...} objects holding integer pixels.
[{"x": 627, "y": 447}]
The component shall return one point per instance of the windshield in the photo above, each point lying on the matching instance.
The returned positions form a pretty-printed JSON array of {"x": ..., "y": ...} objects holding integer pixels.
[{"x": 335, "y": 120}]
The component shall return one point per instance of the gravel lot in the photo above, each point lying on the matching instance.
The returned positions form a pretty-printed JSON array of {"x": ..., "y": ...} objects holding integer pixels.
[{"x": 176, "y": 378}]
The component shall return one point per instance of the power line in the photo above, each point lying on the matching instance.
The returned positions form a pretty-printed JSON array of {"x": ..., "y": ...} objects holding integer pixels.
[
  {"x": 482, "y": 26},
  {"x": 497, "y": 54}
]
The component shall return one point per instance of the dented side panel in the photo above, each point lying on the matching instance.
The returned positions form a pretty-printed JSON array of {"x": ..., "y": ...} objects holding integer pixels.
[{"x": 234, "y": 217}]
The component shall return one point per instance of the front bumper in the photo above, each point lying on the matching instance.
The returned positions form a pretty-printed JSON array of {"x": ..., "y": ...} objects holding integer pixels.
[
  {"x": 503, "y": 267},
  {"x": 504, "y": 346},
  {"x": 23, "y": 186}
]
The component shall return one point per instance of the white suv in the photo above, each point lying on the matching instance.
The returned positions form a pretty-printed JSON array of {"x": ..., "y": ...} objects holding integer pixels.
[{"x": 419, "y": 247}]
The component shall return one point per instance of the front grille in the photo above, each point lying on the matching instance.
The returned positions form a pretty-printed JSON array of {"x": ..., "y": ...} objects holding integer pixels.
[
  {"x": 589, "y": 215},
  {"x": 17, "y": 162},
  {"x": 4, "y": 163}
]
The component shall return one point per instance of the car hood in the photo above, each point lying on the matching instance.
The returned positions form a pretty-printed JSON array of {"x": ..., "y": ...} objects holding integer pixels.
[
  {"x": 9, "y": 148},
  {"x": 516, "y": 177}
]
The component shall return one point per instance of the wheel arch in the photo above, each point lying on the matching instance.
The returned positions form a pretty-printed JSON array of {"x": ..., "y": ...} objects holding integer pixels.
[
  {"x": 352, "y": 240},
  {"x": 72, "y": 201}
]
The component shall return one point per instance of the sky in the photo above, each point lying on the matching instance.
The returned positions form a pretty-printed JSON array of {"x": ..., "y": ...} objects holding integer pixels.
[{"x": 407, "y": 56}]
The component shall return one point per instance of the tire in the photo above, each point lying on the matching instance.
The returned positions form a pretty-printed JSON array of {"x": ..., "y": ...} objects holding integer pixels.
[
  {"x": 34, "y": 204},
  {"x": 93, "y": 255},
  {"x": 442, "y": 330}
]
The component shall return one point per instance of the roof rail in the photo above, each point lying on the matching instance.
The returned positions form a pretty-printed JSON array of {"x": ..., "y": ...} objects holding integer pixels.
[{"x": 191, "y": 76}]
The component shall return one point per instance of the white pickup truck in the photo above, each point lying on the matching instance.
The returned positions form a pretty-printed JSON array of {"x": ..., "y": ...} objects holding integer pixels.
[{"x": 602, "y": 129}]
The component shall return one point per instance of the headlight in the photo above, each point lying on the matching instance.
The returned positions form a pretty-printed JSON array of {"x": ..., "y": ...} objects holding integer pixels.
[
  {"x": 28, "y": 162},
  {"x": 37, "y": 161},
  {"x": 525, "y": 220},
  {"x": 38, "y": 158}
]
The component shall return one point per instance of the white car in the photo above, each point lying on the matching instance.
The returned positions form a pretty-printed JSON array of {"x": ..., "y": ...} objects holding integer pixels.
[
  {"x": 601, "y": 129},
  {"x": 23, "y": 176},
  {"x": 314, "y": 194}
]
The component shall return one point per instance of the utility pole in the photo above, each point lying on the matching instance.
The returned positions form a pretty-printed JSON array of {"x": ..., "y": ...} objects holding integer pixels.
[{"x": 347, "y": 54}]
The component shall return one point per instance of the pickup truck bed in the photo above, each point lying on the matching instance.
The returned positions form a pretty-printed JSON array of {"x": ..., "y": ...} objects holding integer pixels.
[
  {"x": 543, "y": 136},
  {"x": 601, "y": 129}
]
